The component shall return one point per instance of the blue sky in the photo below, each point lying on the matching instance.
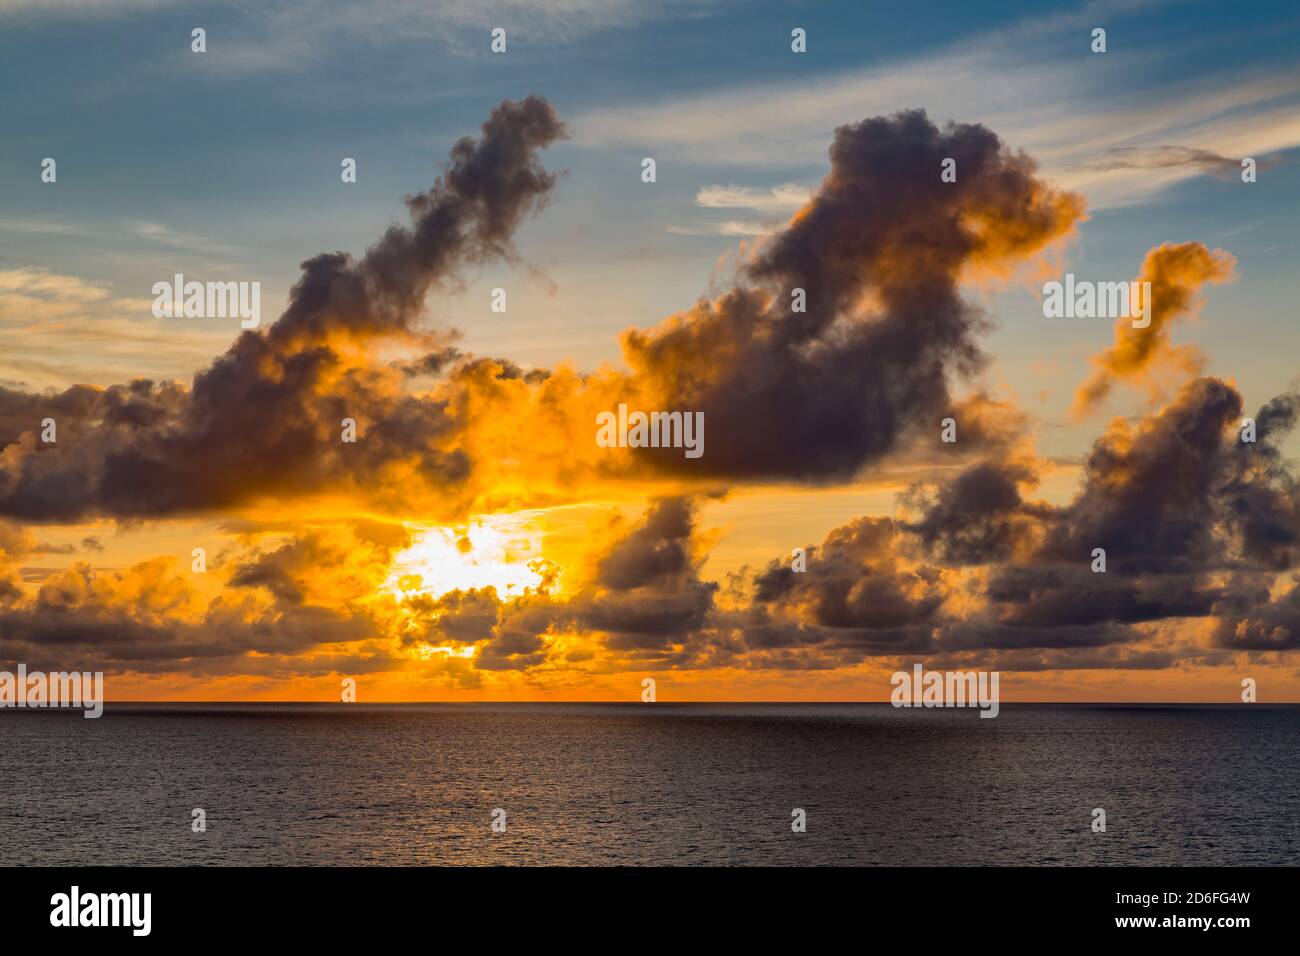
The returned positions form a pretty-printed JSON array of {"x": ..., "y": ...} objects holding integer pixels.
[{"x": 228, "y": 162}]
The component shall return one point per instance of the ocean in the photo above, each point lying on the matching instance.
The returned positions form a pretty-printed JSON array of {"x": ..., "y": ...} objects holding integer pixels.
[{"x": 651, "y": 784}]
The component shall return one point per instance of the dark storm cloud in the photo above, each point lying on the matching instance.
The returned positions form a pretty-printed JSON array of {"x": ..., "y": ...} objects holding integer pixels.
[
  {"x": 1260, "y": 498},
  {"x": 23, "y": 411},
  {"x": 647, "y": 596},
  {"x": 981, "y": 515},
  {"x": 507, "y": 631},
  {"x": 133, "y": 619},
  {"x": 460, "y": 616},
  {"x": 1251, "y": 619},
  {"x": 649, "y": 617},
  {"x": 879, "y": 251},
  {"x": 1176, "y": 492},
  {"x": 1068, "y": 595},
  {"x": 659, "y": 548},
  {"x": 265, "y": 418},
  {"x": 1195, "y": 524},
  {"x": 857, "y": 579},
  {"x": 1112, "y": 655}
]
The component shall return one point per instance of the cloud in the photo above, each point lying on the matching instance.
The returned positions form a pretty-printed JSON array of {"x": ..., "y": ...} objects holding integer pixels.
[
  {"x": 804, "y": 396},
  {"x": 813, "y": 395},
  {"x": 643, "y": 602},
  {"x": 315, "y": 590},
  {"x": 48, "y": 317},
  {"x": 658, "y": 549},
  {"x": 1167, "y": 157},
  {"x": 167, "y": 236},
  {"x": 732, "y": 227},
  {"x": 982, "y": 515},
  {"x": 31, "y": 287},
  {"x": 862, "y": 586},
  {"x": 1251, "y": 619},
  {"x": 1176, "y": 274},
  {"x": 265, "y": 418},
  {"x": 866, "y": 370},
  {"x": 281, "y": 36},
  {"x": 787, "y": 196},
  {"x": 79, "y": 6},
  {"x": 1152, "y": 490},
  {"x": 878, "y": 252},
  {"x": 42, "y": 227},
  {"x": 1197, "y": 525},
  {"x": 1024, "y": 80}
]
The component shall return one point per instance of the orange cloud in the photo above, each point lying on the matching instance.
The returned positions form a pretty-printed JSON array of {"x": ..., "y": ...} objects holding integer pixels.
[{"x": 1176, "y": 273}]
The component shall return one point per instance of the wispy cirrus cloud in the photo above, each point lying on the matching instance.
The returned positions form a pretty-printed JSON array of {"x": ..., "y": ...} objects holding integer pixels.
[
  {"x": 60, "y": 328},
  {"x": 777, "y": 203},
  {"x": 736, "y": 228},
  {"x": 75, "y": 6},
  {"x": 786, "y": 197},
  {"x": 292, "y": 33},
  {"x": 190, "y": 242},
  {"x": 1034, "y": 81},
  {"x": 42, "y": 227},
  {"x": 1164, "y": 157}
]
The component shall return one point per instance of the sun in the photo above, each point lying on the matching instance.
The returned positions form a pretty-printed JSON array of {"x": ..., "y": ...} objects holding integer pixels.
[{"x": 494, "y": 551}]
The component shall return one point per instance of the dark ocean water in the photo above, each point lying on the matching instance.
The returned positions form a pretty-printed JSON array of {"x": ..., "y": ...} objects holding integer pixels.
[{"x": 651, "y": 784}]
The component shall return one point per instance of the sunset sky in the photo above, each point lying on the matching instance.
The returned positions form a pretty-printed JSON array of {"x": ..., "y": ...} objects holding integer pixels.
[{"x": 475, "y": 542}]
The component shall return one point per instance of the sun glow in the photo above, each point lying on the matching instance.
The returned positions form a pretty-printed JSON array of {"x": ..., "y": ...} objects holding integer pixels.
[
  {"x": 428, "y": 652},
  {"x": 496, "y": 552}
]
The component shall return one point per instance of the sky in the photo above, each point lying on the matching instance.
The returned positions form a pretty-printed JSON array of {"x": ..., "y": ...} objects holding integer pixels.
[{"x": 476, "y": 541}]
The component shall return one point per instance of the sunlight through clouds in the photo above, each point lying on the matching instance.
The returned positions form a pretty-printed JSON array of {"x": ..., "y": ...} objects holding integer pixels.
[{"x": 494, "y": 551}]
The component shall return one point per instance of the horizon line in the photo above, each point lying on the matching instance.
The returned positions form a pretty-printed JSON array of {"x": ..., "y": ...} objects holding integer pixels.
[{"x": 396, "y": 703}]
